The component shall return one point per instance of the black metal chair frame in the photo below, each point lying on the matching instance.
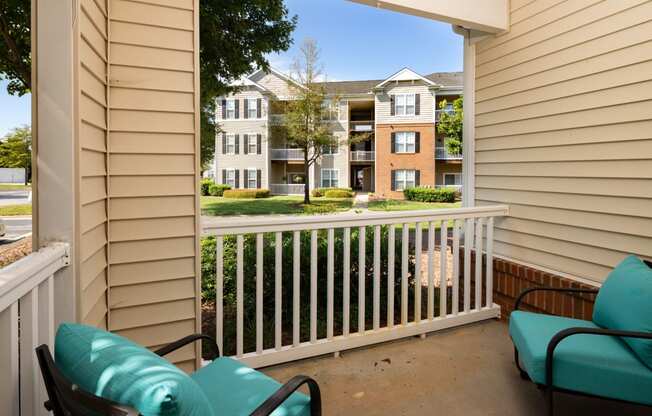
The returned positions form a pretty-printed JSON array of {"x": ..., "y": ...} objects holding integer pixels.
[
  {"x": 548, "y": 387},
  {"x": 67, "y": 399}
]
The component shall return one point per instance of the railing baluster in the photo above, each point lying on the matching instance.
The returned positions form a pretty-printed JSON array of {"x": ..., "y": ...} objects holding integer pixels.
[
  {"x": 219, "y": 292},
  {"x": 391, "y": 254},
  {"x": 346, "y": 282},
  {"x": 296, "y": 288},
  {"x": 490, "y": 262},
  {"x": 468, "y": 244},
  {"x": 239, "y": 295},
  {"x": 313, "y": 286},
  {"x": 9, "y": 388},
  {"x": 443, "y": 260},
  {"x": 404, "y": 273},
  {"x": 478, "y": 263},
  {"x": 456, "y": 268},
  {"x": 417, "y": 273},
  {"x": 376, "y": 277},
  {"x": 330, "y": 284},
  {"x": 431, "y": 270},
  {"x": 28, "y": 342},
  {"x": 278, "y": 290},
  {"x": 259, "y": 293},
  {"x": 361, "y": 278}
]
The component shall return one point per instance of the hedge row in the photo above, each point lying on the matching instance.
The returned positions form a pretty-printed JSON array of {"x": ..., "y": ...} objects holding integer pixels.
[
  {"x": 424, "y": 194},
  {"x": 319, "y": 192},
  {"x": 217, "y": 189},
  {"x": 338, "y": 193},
  {"x": 246, "y": 193}
]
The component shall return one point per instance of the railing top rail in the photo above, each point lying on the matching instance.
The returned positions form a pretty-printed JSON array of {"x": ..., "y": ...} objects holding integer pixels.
[
  {"x": 18, "y": 278},
  {"x": 298, "y": 223}
]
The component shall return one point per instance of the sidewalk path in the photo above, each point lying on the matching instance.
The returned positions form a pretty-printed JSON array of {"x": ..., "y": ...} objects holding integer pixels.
[{"x": 361, "y": 201}]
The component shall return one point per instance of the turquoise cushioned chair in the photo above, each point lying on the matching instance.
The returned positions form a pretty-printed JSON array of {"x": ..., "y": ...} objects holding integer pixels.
[
  {"x": 585, "y": 357},
  {"x": 95, "y": 372}
]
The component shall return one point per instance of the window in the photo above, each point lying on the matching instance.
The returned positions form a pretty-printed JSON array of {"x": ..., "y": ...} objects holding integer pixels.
[
  {"x": 252, "y": 144},
  {"x": 252, "y": 178},
  {"x": 405, "y": 142},
  {"x": 230, "y": 109},
  {"x": 404, "y": 179},
  {"x": 329, "y": 178},
  {"x": 230, "y": 144},
  {"x": 452, "y": 179},
  {"x": 329, "y": 110},
  {"x": 331, "y": 149},
  {"x": 405, "y": 104},
  {"x": 229, "y": 177},
  {"x": 252, "y": 107}
]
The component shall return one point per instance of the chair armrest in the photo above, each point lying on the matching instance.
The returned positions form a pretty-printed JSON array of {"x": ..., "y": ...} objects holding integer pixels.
[
  {"x": 187, "y": 340},
  {"x": 526, "y": 292},
  {"x": 565, "y": 333},
  {"x": 286, "y": 390}
]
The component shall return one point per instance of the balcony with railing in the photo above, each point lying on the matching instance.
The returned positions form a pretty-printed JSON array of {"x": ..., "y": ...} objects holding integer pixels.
[
  {"x": 362, "y": 126},
  {"x": 441, "y": 153},
  {"x": 441, "y": 111},
  {"x": 362, "y": 155},
  {"x": 286, "y": 154},
  {"x": 286, "y": 188}
]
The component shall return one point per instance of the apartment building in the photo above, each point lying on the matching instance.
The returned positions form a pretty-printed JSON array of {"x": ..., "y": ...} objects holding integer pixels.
[{"x": 385, "y": 132}]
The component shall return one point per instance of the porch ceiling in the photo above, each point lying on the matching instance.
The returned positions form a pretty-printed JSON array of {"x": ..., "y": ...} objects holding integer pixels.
[{"x": 464, "y": 371}]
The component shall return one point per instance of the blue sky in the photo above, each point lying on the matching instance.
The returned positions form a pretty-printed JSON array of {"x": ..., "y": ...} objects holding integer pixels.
[{"x": 356, "y": 42}]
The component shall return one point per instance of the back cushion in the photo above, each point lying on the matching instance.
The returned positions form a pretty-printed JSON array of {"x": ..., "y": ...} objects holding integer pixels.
[
  {"x": 625, "y": 302},
  {"x": 117, "y": 369}
]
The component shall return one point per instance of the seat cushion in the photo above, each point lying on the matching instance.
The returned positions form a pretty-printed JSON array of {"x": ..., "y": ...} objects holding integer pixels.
[
  {"x": 117, "y": 369},
  {"x": 593, "y": 364},
  {"x": 236, "y": 389},
  {"x": 625, "y": 303}
]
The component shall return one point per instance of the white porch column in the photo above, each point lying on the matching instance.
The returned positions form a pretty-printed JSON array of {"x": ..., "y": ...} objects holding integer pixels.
[{"x": 468, "y": 148}]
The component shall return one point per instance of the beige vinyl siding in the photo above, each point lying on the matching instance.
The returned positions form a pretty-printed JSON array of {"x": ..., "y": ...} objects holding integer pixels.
[
  {"x": 564, "y": 133},
  {"x": 383, "y": 104},
  {"x": 153, "y": 256},
  {"x": 279, "y": 86},
  {"x": 92, "y": 46}
]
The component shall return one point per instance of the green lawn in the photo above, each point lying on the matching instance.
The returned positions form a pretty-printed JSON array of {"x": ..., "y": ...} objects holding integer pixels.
[
  {"x": 400, "y": 205},
  {"x": 218, "y": 206},
  {"x": 22, "y": 209},
  {"x": 12, "y": 187}
]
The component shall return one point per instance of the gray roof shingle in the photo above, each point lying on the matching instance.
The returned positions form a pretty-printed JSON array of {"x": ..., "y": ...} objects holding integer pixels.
[{"x": 446, "y": 79}]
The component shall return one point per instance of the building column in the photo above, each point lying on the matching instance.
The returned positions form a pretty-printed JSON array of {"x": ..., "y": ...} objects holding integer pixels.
[{"x": 468, "y": 147}]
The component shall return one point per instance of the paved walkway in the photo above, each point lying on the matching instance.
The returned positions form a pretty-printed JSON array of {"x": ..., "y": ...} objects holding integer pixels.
[{"x": 361, "y": 201}]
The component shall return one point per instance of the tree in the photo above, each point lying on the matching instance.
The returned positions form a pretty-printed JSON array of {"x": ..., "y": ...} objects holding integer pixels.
[
  {"x": 235, "y": 37},
  {"x": 307, "y": 127},
  {"x": 16, "y": 151},
  {"x": 451, "y": 125}
]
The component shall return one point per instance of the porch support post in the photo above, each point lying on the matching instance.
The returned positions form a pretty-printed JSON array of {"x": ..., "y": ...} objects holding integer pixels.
[{"x": 468, "y": 148}]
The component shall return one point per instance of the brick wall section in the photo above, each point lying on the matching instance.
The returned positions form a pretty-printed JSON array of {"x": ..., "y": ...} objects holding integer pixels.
[{"x": 510, "y": 279}]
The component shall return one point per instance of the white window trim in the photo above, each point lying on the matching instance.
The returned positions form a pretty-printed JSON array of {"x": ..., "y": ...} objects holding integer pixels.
[
  {"x": 229, "y": 136},
  {"x": 255, "y": 108},
  {"x": 406, "y": 134},
  {"x": 405, "y": 106},
  {"x": 253, "y": 136},
  {"x": 225, "y": 180},
  {"x": 255, "y": 178},
  {"x": 453, "y": 174},
  {"x": 333, "y": 110},
  {"x": 337, "y": 177},
  {"x": 405, "y": 181},
  {"x": 226, "y": 112}
]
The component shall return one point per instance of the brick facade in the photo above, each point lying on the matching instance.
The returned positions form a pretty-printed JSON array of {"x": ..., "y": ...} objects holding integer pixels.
[
  {"x": 510, "y": 279},
  {"x": 386, "y": 161}
]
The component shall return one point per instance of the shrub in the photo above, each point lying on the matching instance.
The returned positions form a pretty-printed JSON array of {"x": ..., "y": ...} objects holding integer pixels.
[
  {"x": 338, "y": 193},
  {"x": 424, "y": 194},
  {"x": 205, "y": 186},
  {"x": 319, "y": 192},
  {"x": 217, "y": 189},
  {"x": 246, "y": 193}
]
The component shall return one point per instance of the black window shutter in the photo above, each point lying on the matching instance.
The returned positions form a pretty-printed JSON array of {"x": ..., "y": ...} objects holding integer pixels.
[
  {"x": 237, "y": 108},
  {"x": 237, "y": 178},
  {"x": 393, "y": 180},
  {"x": 259, "y": 139},
  {"x": 259, "y": 108},
  {"x": 246, "y": 178},
  {"x": 393, "y": 142},
  {"x": 392, "y": 105},
  {"x": 417, "y": 177},
  {"x": 417, "y": 104},
  {"x": 223, "y": 109},
  {"x": 224, "y": 176},
  {"x": 246, "y": 143},
  {"x": 259, "y": 175},
  {"x": 223, "y": 143},
  {"x": 246, "y": 108},
  {"x": 237, "y": 144},
  {"x": 417, "y": 142}
]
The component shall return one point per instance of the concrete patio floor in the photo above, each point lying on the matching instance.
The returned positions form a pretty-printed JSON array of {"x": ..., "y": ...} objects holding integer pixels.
[{"x": 463, "y": 371}]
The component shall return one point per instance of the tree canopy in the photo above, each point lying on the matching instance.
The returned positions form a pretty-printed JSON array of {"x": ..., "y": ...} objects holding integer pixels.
[
  {"x": 451, "y": 125},
  {"x": 16, "y": 150},
  {"x": 15, "y": 60}
]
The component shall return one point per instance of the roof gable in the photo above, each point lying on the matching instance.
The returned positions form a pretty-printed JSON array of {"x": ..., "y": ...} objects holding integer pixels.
[{"x": 406, "y": 74}]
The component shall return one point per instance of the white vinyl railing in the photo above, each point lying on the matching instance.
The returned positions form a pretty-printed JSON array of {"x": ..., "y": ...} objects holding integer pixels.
[
  {"x": 286, "y": 188},
  {"x": 27, "y": 318},
  {"x": 257, "y": 259},
  {"x": 443, "y": 154},
  {"x": 286, "y": 154},
  {"x": 362, "y": 156}
]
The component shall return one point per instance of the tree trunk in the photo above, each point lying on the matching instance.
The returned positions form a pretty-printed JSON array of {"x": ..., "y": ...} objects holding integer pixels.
[{"x": 306, "y": 174}]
